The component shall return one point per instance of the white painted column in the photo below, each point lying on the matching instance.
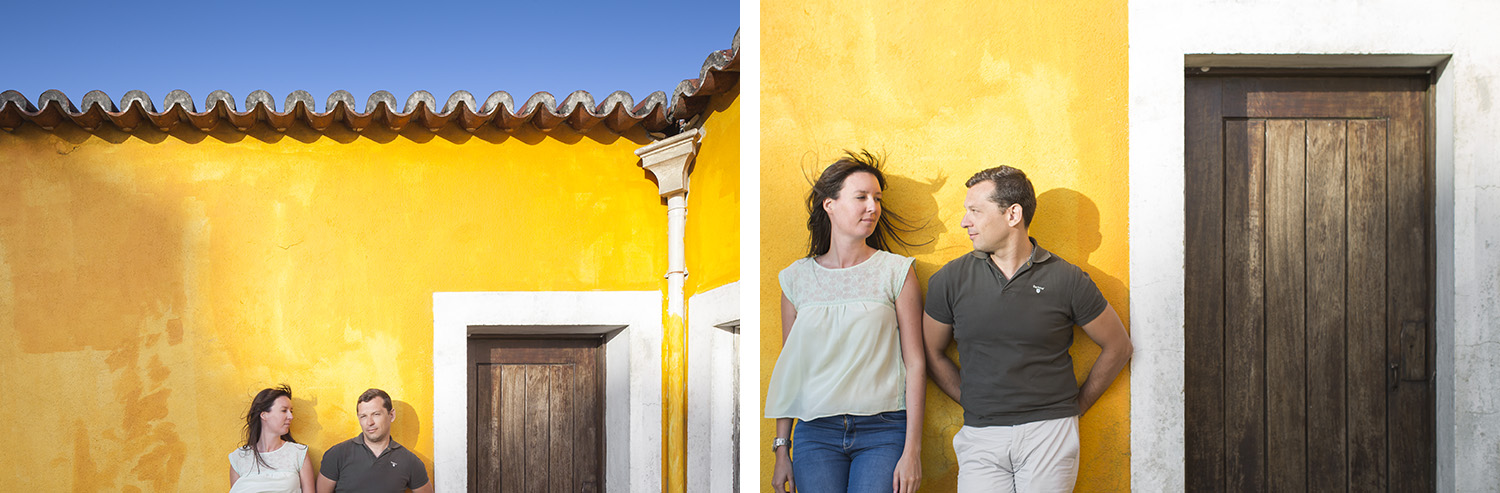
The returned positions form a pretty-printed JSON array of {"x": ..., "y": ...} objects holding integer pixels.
[{"x": 670, "y": 159}]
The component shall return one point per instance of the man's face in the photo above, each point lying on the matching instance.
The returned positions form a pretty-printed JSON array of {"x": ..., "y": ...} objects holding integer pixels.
[
  {"x": 375, "y": 420},
  {"x": 988, "y": 224}
]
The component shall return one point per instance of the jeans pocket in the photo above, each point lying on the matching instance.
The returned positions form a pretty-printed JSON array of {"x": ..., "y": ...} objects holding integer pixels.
[{"x": 893, "y": 416}]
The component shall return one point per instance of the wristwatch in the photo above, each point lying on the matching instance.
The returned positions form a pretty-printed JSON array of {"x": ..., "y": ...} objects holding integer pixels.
[{"x": 780, "y": 442}]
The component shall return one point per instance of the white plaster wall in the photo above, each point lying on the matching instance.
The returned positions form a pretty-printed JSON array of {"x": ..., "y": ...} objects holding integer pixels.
[
  {"x": 632, "y": 361},
  {"x": 713, "y": 387},
  {"x": 1161, "y": 33}
]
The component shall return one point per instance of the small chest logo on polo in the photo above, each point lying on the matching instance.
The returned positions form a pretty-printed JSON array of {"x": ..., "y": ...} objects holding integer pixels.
[
  {"x": 393, "y": 463},
  {"x": 1037, "y": 288}
]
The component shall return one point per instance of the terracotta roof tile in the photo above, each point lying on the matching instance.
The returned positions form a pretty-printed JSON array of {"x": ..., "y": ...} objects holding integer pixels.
[{"x": 617, "y": 112}]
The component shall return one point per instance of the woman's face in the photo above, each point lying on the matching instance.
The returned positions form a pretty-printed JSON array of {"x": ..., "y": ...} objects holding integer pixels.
[
  {"x": 278, "y": 419},
  {"x": 857, "y": 208}
]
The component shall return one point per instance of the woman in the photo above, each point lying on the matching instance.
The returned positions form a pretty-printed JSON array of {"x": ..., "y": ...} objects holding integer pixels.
[
  {"x": 851, "y": 362},
  {"x": 270, "y": 461}
]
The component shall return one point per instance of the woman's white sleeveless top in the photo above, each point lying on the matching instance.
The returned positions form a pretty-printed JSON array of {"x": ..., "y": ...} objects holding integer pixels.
[
  {"x": 281, "y": 477},
  {"x": 843, "y": 355}
]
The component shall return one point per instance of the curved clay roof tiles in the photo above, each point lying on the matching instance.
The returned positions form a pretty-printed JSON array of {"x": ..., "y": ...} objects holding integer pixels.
[{"x": 617, "y": 112}]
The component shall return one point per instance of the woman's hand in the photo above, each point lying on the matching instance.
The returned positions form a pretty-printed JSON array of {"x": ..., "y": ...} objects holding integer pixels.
[
  {"x": 781, "y": 476},
  {"x": 908, "y": 474}
]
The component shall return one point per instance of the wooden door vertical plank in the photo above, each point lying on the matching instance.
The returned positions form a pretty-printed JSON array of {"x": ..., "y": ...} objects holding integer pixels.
[
  {"x": 560, "y": 416},
  {"x": 1366, "y": 309},
  {"x": 512, "y": 426},
  {"x": 1408, "y": 330},
  {"x": 1244, "y": 305},
  {"x": 1325, "y": 255},
  {"x": 1204, "y": 311},
  {"x": 588, "y": 425},
  {"x": 487, "y": 429},
  {"x": 1286, "y": 343},
  {"x": 476, "y": 420},
  {"x": 538, "y": 398}
]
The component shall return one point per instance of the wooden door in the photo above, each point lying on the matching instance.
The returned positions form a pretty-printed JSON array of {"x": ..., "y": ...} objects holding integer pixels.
[
  {"x": 1309, "y": 284},
  {"x": 536, "y": 409}
]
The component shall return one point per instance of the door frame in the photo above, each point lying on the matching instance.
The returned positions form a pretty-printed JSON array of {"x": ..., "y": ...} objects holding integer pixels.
[
  {"x": 1158, "y": 231},
  {"x": 632, "y": 325}
]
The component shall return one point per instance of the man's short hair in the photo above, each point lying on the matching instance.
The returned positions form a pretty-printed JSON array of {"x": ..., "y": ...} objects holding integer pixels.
[
  {"x": 371, "y": 394},
  {"x": 1011, "y": 187}
]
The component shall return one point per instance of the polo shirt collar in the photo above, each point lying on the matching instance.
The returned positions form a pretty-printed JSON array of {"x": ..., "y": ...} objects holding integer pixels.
[
  {"x": 1038, "y": 254},
  {"x": 388, "y": 448}
]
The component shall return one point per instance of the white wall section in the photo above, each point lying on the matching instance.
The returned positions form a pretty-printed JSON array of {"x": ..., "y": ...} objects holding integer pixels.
[{"x": 713, "y": 388}]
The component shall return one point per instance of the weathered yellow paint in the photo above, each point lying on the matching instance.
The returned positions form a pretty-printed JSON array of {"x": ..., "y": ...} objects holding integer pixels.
[
  {"x": 945, "y": 89},
  {"x": 150, "y": 284},
  {"x": 674, "y": 403}
]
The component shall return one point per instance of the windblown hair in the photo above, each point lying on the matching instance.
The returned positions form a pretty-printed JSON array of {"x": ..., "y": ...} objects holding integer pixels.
[
  {"x": 262, "y": 403},
  {"x": 888, "y": 229}
]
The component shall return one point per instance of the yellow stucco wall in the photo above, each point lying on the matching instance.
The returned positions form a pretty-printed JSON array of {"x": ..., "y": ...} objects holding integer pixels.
[
  {"x": 151, "y": 284},
  {"x": 945, "y": 89},
  {"x": 713, "y": 221}
]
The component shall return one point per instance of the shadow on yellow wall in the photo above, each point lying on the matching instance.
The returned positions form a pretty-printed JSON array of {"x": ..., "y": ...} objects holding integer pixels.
[
  {"x": 305, "y": 423},
  {"x": 1067, "y": 224},
  {"x": 408, "y": 429}
]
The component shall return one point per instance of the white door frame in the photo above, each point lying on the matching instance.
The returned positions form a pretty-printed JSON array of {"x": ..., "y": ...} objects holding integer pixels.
[{"x": 632, "y": 372}]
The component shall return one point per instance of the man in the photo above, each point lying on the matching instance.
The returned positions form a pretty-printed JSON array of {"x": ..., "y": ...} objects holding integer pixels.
[
  {"x": 1012, "y": 306},
  {"x": 372, "y": 461}
]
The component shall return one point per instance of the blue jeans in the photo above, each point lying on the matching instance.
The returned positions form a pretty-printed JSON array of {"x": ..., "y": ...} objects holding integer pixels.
[{"x": 844, "y": 453}]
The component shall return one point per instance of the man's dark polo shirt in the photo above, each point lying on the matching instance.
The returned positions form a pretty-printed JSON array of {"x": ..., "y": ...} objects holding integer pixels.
[
  {"x": 1013, "y": 334},
  {"x": 356, "y": 468}
]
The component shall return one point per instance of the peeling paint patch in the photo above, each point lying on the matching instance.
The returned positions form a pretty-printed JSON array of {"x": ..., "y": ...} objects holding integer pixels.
[
  {"x": 86, "y": 475},
  {"x": 992, "y": 70},
  {"x": 674, "y": 400},
  {"x": 174, "y": 331}
]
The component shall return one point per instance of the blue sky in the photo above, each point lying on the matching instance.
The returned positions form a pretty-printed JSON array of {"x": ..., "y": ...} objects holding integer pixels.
[{"x": 435, "y": 45}]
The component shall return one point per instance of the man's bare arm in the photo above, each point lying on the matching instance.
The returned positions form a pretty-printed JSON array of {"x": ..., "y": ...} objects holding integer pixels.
[
  {"x": 936, "y": 336},
  {"x": 325, "y": 485},
  {"x": 1115, "y": 350}
]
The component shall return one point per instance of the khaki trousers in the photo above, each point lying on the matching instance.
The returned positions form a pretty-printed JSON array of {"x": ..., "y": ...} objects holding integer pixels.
[{"x": 1041, "y": 456}]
